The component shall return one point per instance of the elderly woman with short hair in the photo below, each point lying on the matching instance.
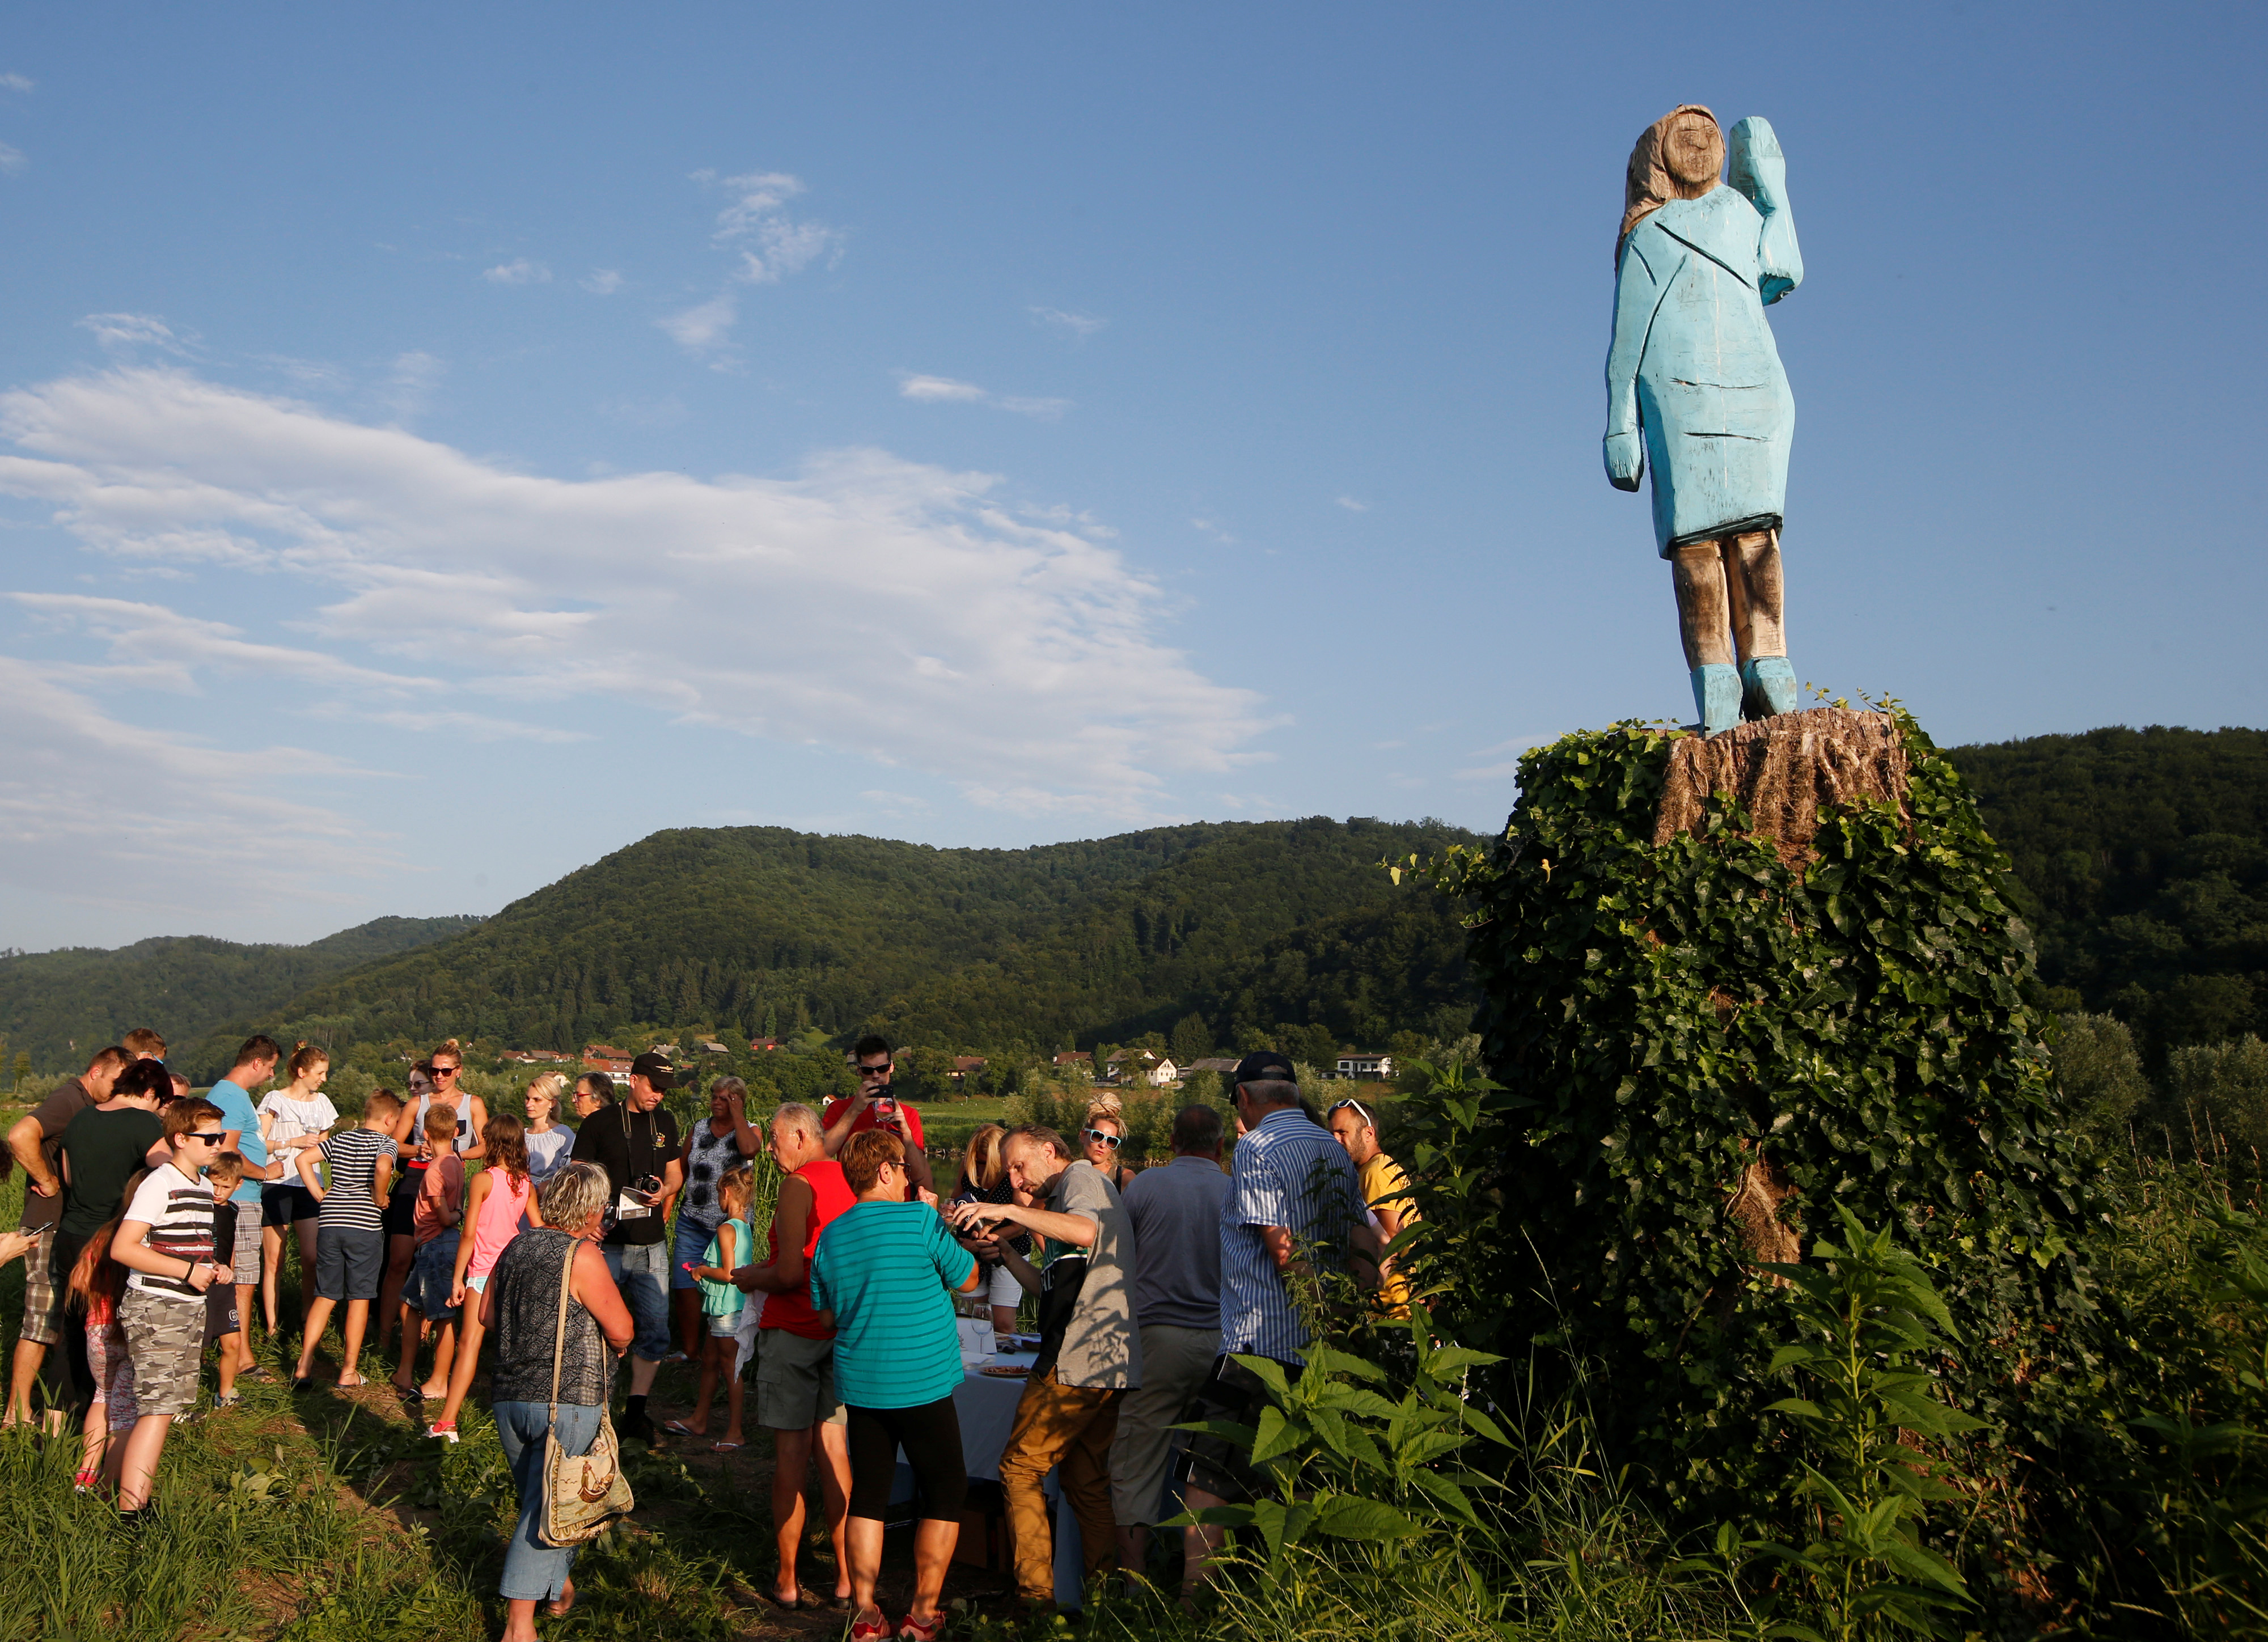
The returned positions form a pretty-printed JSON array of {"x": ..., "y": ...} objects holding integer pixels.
[{"x": 520, "y": 1310}]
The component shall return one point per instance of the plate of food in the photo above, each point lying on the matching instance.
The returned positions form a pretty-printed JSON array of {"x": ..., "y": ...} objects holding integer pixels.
[{"x": 1006, "y": 1371}]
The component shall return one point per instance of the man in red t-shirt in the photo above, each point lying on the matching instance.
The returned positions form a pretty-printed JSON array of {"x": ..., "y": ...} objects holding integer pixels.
[
  {"x": 874, "y": 1106},
  {"x": 795, "y": 1364}
]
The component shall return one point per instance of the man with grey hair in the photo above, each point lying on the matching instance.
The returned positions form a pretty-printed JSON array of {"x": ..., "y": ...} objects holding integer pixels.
[
  {"x": 727, "y": 1140},
  {"x": 795, "y": 1359}
]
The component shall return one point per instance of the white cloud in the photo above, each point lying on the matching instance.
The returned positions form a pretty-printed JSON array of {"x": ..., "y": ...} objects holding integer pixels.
[
  {"x": 893, "y": 609},
  {"x": 705, "y": 327},
  {"x": 1508, "y": 769},
  {"x": 410, "y": 383},
  {"x": 1350, "y": 504},
  {"x": 1213, "y": 528},
  {"x": 119, "y": 331},
  {"x": 941, "y": 387},
  {"x": 14, "y": 83},
  {"x": 603, "y": 282},
  {"x": 945, "y": 389},
  {"x": 1079, "y": 325},
  {"x": 111, "y": 814},
  {"x": 781, "y": 244},
  {"x": 518, "y": 271},
  {"x": 11, "y": 158},
  {"x": 152, "y": 645}
]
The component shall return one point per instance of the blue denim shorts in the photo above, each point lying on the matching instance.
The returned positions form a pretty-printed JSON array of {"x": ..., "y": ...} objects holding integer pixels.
[
  {"x": 691, "y": 1244},
  {"x": 426, "y": 1290}
]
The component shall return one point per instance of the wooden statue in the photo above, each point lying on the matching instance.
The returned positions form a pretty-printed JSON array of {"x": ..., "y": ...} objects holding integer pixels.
[{"x": 1694, "y": 391}]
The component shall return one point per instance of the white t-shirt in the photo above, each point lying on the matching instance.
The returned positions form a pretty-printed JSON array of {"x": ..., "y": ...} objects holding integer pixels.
[
  {"x": 179, "y": 1211},
  {"x": 297, "y": 1120}
]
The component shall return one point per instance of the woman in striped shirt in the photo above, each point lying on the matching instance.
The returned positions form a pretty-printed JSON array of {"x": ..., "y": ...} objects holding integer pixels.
[{"x": 165, "y": 1241}]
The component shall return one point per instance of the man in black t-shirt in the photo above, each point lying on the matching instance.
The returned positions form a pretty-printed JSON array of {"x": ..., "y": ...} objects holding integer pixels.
[
  {"x": 637, "y": 1144},
  {"x": 37, "y": 1141}
]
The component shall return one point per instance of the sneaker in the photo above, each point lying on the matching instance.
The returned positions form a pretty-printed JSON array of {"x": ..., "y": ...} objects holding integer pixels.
[
  {"x": 228, "y": 1402},
  {"x": 879, "y": 1631},
  {"x": 446, "y": 1430},
  {"x": 914, "y": 1628},
  {"x": 84, "y": 1482}
]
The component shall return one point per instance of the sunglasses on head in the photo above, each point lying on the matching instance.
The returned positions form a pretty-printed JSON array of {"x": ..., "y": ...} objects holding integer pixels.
[
  {"x": 1357, "y": 1108},
  {"x": 1104, "y": 1137}
]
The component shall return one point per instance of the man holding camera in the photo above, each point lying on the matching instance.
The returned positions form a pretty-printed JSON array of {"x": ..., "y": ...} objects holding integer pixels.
[
  {"x": 874, "y": 1106},
  {"x": 638, "y": 1144}
]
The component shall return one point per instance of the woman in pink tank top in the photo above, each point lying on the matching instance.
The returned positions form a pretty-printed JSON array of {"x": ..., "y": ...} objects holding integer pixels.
[{"x": 494, "y": 1203}]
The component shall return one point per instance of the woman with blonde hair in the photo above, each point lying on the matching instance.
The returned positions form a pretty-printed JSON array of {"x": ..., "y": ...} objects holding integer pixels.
[
  {"x": 1102, "y": 1136},
  {"x": 984, "y": 1178},
  {"x": 550, "y": 1143}
]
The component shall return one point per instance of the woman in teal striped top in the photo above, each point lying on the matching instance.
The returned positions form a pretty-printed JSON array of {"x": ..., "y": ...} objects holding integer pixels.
[{"x": 880, "y": 1278}]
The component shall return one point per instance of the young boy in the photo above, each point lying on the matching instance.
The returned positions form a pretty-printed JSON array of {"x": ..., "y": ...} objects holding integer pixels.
[
  {"x": 165, "y": 1241},
  {"x": 223, "y": 1325},
  {"x": 425, "y": 1295},
  {"x": 349, "y": 1231}
]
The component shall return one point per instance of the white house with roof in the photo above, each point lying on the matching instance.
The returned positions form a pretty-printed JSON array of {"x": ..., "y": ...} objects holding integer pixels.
[{"x": 1365, "y": 1068}]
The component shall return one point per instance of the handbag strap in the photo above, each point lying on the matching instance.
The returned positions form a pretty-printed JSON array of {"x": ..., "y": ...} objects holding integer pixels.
[{"x": 559, "y": 1341}]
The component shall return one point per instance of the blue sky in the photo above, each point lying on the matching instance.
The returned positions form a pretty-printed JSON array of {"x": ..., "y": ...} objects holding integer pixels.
[{"x": 441, "y": 444}]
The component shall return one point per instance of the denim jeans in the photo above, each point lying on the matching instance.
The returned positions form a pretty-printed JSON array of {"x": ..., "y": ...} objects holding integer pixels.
[
  {"x": 533, "y": 1571},
  {"x": 641, "y": 1271}
]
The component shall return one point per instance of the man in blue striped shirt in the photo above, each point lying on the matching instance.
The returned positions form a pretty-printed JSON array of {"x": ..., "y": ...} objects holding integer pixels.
[{"x": 1292, "y": 1207}]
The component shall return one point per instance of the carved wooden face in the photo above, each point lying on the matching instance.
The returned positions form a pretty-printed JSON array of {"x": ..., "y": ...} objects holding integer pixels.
[{"x": 1693, "y": 153}]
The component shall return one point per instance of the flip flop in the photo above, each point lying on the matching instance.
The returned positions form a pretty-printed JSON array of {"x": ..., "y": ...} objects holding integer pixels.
[
  {"x": 726, "y": 1448},
  {"x": 408, "y": 1393},
  {"x": 678, "y": 1428}
]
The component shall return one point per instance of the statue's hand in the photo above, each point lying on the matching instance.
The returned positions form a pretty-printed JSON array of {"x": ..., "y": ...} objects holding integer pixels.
[{"x": 1626, "y": 455}]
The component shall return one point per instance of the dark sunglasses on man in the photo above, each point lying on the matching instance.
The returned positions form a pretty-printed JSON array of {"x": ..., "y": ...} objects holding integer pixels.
[{"x": 1105, "y": 1137}]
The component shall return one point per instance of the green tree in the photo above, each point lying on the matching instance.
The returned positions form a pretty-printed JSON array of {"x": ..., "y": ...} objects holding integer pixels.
[
  {"x": 1191, "y": 1038},
  {"x": 23, "y": 1068},
  {"x": 2101, "y": 1071}
]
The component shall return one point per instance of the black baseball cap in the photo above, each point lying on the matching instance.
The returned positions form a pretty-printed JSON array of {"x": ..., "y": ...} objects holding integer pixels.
[
  {"x": 655, "y": 1069},
  {"x": 1264, "y": 1066}
]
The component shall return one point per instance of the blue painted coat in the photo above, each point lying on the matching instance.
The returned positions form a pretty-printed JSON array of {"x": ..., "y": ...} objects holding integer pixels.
[{"x": 1694, "y": 385}]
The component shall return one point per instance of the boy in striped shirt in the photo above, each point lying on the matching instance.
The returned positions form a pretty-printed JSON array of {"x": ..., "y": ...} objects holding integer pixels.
[
  {"x": 165, "y": 1243},
  {"x": 350, "y": 1230}
]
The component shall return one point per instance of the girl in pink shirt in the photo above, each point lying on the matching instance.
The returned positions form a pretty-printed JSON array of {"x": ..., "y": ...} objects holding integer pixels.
[{"x": 494, "y": 1203}]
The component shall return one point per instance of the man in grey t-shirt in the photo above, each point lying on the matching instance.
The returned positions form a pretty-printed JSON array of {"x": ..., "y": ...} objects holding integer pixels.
[
  {"x": 1089, "y": 1355},
  {"x": 1175, "y": 1213}
]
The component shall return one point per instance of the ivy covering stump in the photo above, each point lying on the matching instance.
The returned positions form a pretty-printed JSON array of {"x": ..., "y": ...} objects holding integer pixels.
[{"x": 1728, "y": 982}]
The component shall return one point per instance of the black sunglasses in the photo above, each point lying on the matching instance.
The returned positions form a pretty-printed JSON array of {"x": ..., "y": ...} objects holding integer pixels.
[
  {"x": 1107, "y": 1139},
  {"x": 875, "y": 1072},
  {"x": 444, "y": 1071},
  {"x": 212, "y": 1140}
]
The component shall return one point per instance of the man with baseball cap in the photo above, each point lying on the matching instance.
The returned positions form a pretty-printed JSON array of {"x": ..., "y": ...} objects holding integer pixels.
[
  {"x": 638, "y": 1144},
  {"x": 1291, "y": 1209}
]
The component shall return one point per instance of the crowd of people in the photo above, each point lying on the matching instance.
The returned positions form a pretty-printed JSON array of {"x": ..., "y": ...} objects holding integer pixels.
[{"x": 156, "y": 1221}]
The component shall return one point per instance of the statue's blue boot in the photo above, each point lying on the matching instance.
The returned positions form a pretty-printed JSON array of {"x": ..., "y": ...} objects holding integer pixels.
[
  {"x": 1769, "y": 687},
  {"x": 1717, "y": 696}
]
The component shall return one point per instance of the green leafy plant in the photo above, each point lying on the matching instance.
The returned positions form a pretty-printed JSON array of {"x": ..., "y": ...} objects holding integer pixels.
[
  {"x": 1864, "y": 1322},
  {"x": 1346, "y": 1462},
  {"x": 1672, "y": 1022}
]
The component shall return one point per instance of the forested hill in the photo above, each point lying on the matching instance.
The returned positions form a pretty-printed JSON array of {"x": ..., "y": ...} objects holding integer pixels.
[
  {"x": 184, "y": 985},
  {"x": 768, "y": 931},
  {"x": 2144, "y": 859}
]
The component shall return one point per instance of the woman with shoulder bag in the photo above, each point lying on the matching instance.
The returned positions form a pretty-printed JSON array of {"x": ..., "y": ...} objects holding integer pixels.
[{"x": 555, "y": 1359}]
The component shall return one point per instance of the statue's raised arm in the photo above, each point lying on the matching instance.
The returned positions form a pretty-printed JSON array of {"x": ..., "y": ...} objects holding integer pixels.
[{"x": 1695, "y": 392}]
